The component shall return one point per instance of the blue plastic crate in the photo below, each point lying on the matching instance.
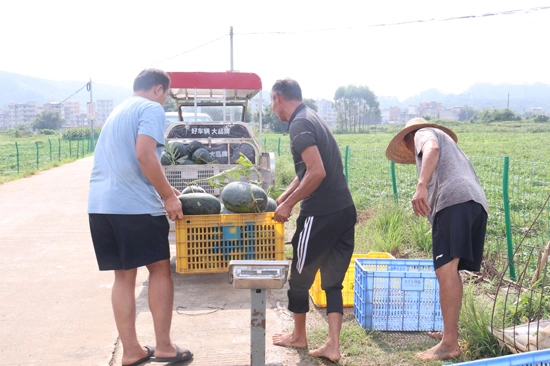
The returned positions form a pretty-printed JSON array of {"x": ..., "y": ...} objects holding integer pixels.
[
  {"x": 534, "y": 358},
  {"x": 397, "y": 295}
]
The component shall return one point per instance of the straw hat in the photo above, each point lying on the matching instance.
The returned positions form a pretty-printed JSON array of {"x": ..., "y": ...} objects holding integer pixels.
[{"x": 397, "y": 150}]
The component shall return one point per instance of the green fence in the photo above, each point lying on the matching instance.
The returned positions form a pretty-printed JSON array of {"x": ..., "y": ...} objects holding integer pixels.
[
  {"x": 26, "y": 156},
  {"x": 516, "y": 191}
]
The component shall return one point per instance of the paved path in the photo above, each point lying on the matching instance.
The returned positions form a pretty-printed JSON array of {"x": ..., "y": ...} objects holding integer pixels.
[{"x": 55, "y": 305}]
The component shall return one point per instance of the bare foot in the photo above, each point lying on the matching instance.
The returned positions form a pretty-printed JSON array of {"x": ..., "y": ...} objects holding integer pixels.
[
  {"x": 130, "y": 360},
  {"x": 435, "y": 335},
  {"x": 439, "y": 335},
  {"x": 288, "y": 340},
  {"x": 325, "y": 351},
  {"x": 439, "y": 352}
]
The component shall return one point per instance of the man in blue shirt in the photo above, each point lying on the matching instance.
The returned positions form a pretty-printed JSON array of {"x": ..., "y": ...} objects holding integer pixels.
[{"x": 128, "y": 201}]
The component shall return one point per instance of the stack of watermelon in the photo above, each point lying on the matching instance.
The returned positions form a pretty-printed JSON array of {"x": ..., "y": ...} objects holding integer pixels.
[
  {"x": 237, "y": 197},
  {"x": 185, "y": 154}
]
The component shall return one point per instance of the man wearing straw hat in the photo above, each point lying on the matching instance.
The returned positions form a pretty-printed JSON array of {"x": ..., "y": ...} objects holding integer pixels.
[{"x": 449, "y": 194}]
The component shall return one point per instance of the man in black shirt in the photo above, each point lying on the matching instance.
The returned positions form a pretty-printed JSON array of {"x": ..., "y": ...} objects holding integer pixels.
[{"x": 324, "y": 237}]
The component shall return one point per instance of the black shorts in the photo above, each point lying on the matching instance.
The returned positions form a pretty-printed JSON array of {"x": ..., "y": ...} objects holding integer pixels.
[
  {"x": 129, "y": 241},
  {"x": 459, "y": 232},
  {"x": 322, "y": 243}
]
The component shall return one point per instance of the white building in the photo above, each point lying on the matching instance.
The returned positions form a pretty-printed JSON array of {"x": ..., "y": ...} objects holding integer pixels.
[
  {"x": 72, "y": 112},
  {"x": 55, "y": 106},
  {"x": 326, "y": 110},
  {"x": 102, "y": 110},
  {"x": 21, "y": 113}
]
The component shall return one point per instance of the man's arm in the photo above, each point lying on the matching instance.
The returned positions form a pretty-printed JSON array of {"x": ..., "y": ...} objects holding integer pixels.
[
  {"x": 315, "y": 173},
  {"x": 151, "y": 168},
  {"x": 430, "y": 159},
  {"x": 288, "y": 191}
]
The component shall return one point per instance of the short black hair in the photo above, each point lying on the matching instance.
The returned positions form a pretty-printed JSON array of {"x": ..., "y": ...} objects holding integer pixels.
[
  {"x": 149, "y": 78},
  {"x": 287, "y": 88}
]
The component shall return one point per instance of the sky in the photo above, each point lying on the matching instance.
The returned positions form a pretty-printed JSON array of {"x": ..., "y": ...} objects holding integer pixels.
[{"x": 395, "y": 47}]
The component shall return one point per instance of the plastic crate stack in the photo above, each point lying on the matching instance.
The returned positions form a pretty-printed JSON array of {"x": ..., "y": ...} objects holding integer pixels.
[
  {"x": 319, "y": 296},
  {"x": 397, "y": 295},
  {"x": 207, "y": 243}
]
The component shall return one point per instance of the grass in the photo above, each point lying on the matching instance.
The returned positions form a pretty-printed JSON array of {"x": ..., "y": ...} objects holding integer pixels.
[
  {"x": 389, "y": 226},
  {"x": 31, "y": 153}
]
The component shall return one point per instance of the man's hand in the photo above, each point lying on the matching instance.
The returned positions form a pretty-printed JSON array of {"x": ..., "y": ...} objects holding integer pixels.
[
  {"x": 420, "y": 201},
  {"x": 282, "y": 213},
  {"x": 176, "y": 192},
  {"x": 173, "y": 208}
]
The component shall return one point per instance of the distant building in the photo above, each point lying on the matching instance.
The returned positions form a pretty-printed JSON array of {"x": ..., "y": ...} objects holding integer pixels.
[
  {"x": 22, "y": 113},
  {"x": 451, "y": 114},
  {"x": 72, "y": 112},
  {"x": 55, "y": 106},
  {"x": 326, "y": 110},
  {"x": 431, "y": 109},
  {"x": 102, "y": 110},
  {"x": 4, "y": 119}
]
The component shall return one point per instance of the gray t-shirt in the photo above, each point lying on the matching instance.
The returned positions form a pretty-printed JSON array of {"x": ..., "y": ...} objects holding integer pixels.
[{"x": 454, "y": 180}]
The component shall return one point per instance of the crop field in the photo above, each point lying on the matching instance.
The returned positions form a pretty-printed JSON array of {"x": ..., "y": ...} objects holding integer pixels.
[
  {"x": 528, "y": 155},
  {"x": 517, "y": 151},
  {"x": 26, "y": 155},
  {"x": 512, "y": 162}
]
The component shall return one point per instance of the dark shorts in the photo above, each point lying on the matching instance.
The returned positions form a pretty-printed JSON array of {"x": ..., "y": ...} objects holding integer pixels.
[
  {"x": 322, "y": 243},
  {"x": 129, "y": 241},
  {"x": 459, "y": 232}
]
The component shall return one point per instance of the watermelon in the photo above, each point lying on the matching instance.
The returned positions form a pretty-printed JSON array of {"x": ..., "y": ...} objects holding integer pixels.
[
  {"x": 179, "y": 149},
  {"x": 194, "y": 146},
  {"x": 202, "y": 156},
  {"x": 271, "y": 205},
  {"x": 199, "y": 204},
  {"x": 193, "y": 189},
  {"x": 243, "y": 197},
  {"x": 225, "y": 211},
  {"x": 165, "y": 158},
  {"x": 188, "y": 162}
]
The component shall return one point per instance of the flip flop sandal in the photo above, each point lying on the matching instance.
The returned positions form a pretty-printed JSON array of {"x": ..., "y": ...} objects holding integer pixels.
[
  {"x": 182, "y": 354},
  {"x": 150, "y": 352}
]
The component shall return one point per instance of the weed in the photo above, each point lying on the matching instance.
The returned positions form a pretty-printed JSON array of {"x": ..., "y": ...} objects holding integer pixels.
[{"x": 477, "y": 341}]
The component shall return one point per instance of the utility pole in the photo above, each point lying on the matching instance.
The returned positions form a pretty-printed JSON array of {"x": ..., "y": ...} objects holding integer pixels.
[
  {"x": 91, "y": 115},
  {"x": 231, "y": 65},
  {"x": 508, "y": 105},
  {"x": 231, "y": 47}
]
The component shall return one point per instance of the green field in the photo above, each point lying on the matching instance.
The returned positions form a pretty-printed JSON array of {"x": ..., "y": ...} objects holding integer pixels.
[
  {"x": 30, "y": 153},
  {"x": 387, "y": 224},
  {"x": 392, "y": 227}
]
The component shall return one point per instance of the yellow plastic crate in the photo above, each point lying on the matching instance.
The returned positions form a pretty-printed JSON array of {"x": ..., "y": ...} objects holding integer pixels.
[
  {"x": 319, "y": 296},
  {"x": 207, "y": 243}
]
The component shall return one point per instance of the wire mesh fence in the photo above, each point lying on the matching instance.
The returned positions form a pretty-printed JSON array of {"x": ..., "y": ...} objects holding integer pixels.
[
  {"x": 27, "y": 156},
  {"x": 516, "y": 191}
]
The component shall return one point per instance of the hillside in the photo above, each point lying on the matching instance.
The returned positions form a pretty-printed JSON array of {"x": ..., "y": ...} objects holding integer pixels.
[
  {"x": 483, "y": 95},
  {"x": 22, "y": 89}
]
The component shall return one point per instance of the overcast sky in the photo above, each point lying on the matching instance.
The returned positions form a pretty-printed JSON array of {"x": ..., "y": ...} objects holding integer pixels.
[{"x": 322, "y": 44}]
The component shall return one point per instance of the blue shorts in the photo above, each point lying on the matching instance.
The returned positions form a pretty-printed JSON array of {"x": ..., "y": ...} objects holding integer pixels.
[
  {"x": 129, "y": 241},
  {"x": 458, "y": 231}
]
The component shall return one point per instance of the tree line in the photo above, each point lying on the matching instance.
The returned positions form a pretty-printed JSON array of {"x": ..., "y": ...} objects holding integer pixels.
[{"x": 357, "y": 108}]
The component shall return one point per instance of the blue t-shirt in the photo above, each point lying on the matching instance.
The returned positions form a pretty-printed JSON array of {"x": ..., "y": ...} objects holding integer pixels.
[{"x": 117, "y": 184}]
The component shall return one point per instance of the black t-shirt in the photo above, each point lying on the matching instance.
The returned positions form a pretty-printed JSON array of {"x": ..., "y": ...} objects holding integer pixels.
[{"x": 307, "y": 128}]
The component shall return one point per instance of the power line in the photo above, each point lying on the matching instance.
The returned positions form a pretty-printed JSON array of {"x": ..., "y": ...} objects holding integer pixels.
[
  {"x": 190, "y": 50},
  {"x": 84, "y": 86},
  {"x": 507, "y": 12}
]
